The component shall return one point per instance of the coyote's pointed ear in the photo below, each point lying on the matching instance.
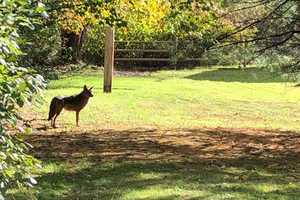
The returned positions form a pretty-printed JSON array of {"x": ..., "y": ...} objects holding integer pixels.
[
  {"x": 91, "y": 88},
  {"x": 84, "y": 87}
]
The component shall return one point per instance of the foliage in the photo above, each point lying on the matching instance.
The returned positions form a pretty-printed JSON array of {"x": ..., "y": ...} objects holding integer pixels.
[
  {"x": 43, "y": 47},
  {"x": 275, "y": 26},
  {"x": 17, "y": 87},
  {"x": 74, "y": 29},
  {"x": 195, "y": 25},
  {"x": 243, "y": 55},
  {"x": 235, "y": 49},
  {"x": 73, "y": 16},
  {"x": 144, "y": 19},
  {"x": 93, "y": 46},
  {"x": 166, "y": 20}
]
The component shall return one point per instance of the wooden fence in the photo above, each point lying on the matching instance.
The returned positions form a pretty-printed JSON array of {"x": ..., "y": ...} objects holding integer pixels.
[
  {"x": 154, "y": 51},
  {"x": 167, "y": 51}
]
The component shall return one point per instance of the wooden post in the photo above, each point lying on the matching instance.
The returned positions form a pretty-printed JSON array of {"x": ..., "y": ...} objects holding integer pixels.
[
  {"x": 175, "y": 53},
  {"x": 108, "y": 59}
]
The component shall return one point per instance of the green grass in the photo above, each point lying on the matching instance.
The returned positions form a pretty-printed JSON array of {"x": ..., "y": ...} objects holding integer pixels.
[
  {"x": 217, "y": 133},
  {"x": 183, "y": 99}
]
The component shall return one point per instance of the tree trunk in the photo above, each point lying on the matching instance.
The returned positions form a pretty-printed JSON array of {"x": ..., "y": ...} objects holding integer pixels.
[
  {"x": 79, "y": 42},
  {"x": 72, "y": 44}
]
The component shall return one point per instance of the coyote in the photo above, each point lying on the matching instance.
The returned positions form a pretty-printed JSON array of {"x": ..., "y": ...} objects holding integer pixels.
[{"x": 72, "y": 103}]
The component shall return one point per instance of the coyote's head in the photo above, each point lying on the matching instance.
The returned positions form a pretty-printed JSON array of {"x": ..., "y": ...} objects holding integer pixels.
[{"x": 87, "y": 92}]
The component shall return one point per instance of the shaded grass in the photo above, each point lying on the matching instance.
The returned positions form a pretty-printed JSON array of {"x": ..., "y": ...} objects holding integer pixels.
[
  {"x": 247, "y": 75},
  {"x": 166, "y": 181}
]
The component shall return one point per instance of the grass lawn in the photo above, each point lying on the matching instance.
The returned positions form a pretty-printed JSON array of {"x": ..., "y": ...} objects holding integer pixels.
[
  {"x": 217, "y": 133},
  {"x": 183, "y": 99}
]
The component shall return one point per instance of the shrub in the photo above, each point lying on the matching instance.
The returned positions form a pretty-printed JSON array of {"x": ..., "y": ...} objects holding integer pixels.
[{"x": 18, "y": 86}]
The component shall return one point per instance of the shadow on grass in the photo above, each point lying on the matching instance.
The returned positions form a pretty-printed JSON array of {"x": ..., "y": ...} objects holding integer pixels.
[
  {"x": 80, "y": 88},
  {"x": 248, "y": 75},
  {"x": 170, "y": 164}
]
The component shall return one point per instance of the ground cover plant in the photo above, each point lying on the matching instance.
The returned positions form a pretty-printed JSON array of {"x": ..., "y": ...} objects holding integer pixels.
[{"x": 206, "y": 133}]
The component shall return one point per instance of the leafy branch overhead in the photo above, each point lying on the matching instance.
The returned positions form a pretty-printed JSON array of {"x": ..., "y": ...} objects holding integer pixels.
[{"x": 276, "y": 22}]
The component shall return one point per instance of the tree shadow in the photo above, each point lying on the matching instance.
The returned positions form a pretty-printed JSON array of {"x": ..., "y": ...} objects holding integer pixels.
[
  {"x": 247, "y": 75},
  {"x": 79, "y": 88},
  {"x": 203, "y": 163}
]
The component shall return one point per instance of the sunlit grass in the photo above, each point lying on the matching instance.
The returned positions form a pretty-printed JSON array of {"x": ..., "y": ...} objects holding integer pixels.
[{"x": 187, "y": 98}]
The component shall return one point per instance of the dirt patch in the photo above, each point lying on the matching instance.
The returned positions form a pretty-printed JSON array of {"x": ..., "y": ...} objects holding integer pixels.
[
  {"x": 132, "y": 73},
  {"x": 219, "y": 145}
]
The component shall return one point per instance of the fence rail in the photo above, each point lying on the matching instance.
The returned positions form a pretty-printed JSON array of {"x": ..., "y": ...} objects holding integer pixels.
[
  {"x": 145, "y": 42},
  {"x": 144, "y": 59},
  {"x": 171, "y": 50},
  {"x": 144, "y": 50}
]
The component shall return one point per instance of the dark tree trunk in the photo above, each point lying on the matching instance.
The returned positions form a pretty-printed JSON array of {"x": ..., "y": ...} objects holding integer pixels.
[
  {"x": 72, "y": 44},
  {"x": 80, "y": 40}
]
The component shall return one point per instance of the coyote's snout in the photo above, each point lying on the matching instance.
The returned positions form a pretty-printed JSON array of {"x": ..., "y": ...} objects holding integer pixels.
[{"x": 72, "y": 103}]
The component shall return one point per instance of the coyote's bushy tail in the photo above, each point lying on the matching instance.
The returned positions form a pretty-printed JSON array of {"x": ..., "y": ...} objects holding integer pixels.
[{"x": 52, "y": 109}]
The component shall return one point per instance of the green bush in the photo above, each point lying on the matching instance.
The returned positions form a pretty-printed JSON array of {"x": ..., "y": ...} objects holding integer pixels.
[
  {"x": 43, "y": 48},
  {"x": 93, "y": 46},
  {"x": 18, "y": 86}
]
